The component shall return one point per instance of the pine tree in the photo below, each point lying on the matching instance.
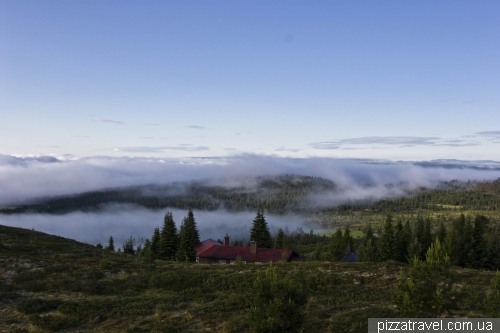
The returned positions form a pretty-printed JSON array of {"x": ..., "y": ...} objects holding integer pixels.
[
  {"x": 155, "y": 242},
  {"x": 260, "y": 231},
  {"x": 111, "y": 244},
  {"x": 168, "y": 238},
  {"x": 278, "y": 242},
  {"x": 387, "y": 245}
]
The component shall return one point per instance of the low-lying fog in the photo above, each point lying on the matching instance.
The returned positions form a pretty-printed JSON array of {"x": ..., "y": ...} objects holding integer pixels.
[
  {"x": 122, "y": 221},
  {"x": 25, "y": 178}
]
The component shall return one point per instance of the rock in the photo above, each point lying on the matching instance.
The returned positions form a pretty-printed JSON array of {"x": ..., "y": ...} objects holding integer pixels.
[{"x": 98, "y": 319}]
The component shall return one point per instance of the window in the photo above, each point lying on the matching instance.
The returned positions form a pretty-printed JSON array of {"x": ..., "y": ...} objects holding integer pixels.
[
  {"x": 198, "y": 259},
  {"x": 232, "y": 262},
  {"x": 222, "y": 261}
]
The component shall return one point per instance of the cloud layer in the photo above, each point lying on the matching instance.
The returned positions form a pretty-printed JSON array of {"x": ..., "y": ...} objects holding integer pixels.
[
  {"x": 401, "y": 141},
  {"x": 25, "y": 178}
]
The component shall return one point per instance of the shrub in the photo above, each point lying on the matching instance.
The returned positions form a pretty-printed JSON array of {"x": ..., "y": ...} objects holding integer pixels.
[
  {"x": 37, "y": 305},
  {"x": 278, "y": 305}
]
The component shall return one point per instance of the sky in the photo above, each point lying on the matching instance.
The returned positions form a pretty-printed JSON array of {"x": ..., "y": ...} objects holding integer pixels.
[{"x": 394, "y": 80}]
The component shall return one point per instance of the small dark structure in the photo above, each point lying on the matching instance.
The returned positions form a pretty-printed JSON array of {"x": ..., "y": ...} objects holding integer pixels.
[
  {"x": 211, "y": 252},
  {"x": 350, "y": 256}
]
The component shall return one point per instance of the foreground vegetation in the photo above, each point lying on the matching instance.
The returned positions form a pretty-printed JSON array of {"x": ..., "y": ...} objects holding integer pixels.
[{"x": 49, "y": 283}]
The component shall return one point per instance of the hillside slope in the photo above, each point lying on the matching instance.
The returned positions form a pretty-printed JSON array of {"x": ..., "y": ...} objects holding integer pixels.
[{"x": 49, "y": 283}]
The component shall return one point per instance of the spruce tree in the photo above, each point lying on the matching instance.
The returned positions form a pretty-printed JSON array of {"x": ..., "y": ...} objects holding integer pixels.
[
  {"x": 414, "y": 250},
  {"x": 278, "y": 303},
  {"x": 111, "y": 244},
  {"x": 155, "y": 242},
  {"x": 493, "y": 253},
  {"x": 479, "y": 243},
  {"x": 348, "y": 240},
  {"x": 337, "y": 246},
  {"x": 441, "y": 232},
  {"x": 368, "y": 253},
  {"x": 260, "y": 231},
  {"x": 128, "y": 246},
  {"x": 186, "y": 251},
  {"x": 192, "y": 229},
  {"x": 168, "y": 238},
  {"x": 419, "y": 228},
  {"x": 427, "y": 289},
  {"x": 493, "y": 298},
  {"x": 149, "y": 258},
  {"x": 278, "y": 242},
  {"x": 387, "y": 245},
  {"x": 426, "y": 240},
  {"x": 400, "y": 241}
]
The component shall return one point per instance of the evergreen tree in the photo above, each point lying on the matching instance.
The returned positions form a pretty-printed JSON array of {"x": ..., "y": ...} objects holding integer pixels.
[
  {"x": 260, "y": 231},
  {"x": 278, "y": 303},
  {"x": 427, "y": 290},
  {"x": 192, "y": 229},
  {"x": 348, "y": 240},
  {"x": 155, "y": 242},
  {"x": 168, "y": 238},
  {"x": 414, "y": 250},
  {"x": 493, "y": 298},
  {"x": 278, "y": 242},
  {"x": 337, "y": 246},
  {"x": 128, "y": 246},
  {"x": 400, "y": 241},
  {"x": 111, "y": 244},
  {"x": 149, "y": 257},
  {"x": 426, "y": 240},
  {"x": 419, "y": 228},
  {"x": 493, "y": 254},
  {"x": 186, "y": 251},
  {"x": 479, "y": 243},
  {"x": 368, "y": 253},
  {"x": 441, "y": 232},
  {"x": 387, "y": 244},
  {"x": 317, "y": 252}
]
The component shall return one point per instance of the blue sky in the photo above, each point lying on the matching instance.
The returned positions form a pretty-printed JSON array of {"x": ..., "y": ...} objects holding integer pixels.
[{"x": 387, "y": 79}]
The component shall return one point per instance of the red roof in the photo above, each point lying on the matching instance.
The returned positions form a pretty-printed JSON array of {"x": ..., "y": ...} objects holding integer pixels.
[
  {"x": 216, "y": 251},
  {"x": 205, "y": 245}
]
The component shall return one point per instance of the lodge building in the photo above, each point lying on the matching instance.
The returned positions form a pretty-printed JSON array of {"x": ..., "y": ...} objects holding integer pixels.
[{"x": 212, "y": 252}]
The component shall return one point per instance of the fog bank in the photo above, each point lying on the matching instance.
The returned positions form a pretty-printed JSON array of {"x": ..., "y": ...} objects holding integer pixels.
[
  {"x": 23, "y": 178},
  {"x": 122, "y": 221}
]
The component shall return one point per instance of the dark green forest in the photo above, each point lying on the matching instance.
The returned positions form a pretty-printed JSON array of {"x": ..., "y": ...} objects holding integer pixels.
[{"x": 276, "y": 195}]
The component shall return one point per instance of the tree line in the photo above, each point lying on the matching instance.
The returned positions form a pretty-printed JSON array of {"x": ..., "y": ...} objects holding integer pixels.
[{"x": 465, "y": 241}]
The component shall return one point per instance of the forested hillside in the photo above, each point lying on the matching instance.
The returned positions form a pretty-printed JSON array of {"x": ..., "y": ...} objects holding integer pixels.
[{"x": 277, "y": 195}]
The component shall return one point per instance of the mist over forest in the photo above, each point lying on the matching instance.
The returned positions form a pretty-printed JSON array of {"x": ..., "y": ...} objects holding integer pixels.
[{"x": 91, "y": 199}]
